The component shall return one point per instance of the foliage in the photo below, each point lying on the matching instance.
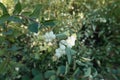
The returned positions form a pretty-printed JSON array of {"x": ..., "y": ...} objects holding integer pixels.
[{"x": 94, "y": 51}]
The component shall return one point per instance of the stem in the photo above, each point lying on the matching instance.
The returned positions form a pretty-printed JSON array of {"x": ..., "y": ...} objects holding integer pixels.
[{"x": 25, "y": 17}]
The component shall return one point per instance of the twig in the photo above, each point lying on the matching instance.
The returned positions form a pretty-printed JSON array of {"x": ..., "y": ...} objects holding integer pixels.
[{"x": 25, "y": 17}]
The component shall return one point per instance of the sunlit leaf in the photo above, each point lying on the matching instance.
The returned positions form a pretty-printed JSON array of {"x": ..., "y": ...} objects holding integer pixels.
[
  {"x": 50, "y": 23},
  {"x": 4, "y": 9},
  {"x": 17, "y": 8},
  {"x": 36, "y": 12},
  {"x": 26, "y": 13}
]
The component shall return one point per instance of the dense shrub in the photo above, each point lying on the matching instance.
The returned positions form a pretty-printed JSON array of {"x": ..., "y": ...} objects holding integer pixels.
[{"x": 60, "y": 40}]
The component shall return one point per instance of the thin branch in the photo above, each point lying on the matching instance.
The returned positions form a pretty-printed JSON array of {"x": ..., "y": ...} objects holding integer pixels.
[{"x": 25, "y": 17}]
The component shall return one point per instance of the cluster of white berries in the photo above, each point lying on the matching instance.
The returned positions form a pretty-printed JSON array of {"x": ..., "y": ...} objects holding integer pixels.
[
  {"x": 17, "y": 68},
  {"x": 49, "y": 36},
  {"x": 70, "y": 42},
  {"x": 60, "y": 51}
]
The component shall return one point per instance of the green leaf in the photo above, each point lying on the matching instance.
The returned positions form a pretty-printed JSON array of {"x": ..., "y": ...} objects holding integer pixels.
[
  {"x": 4, "y": 9},
  {"x": 15, "y": 19},
  {"x": 50, "y": 23},
  {"x": 76, "y": 74},
  {"x": 4, "y": 18},
  {"x": 49, "y": 73},
  {"x": 2, "y": 52},
  {"x": 26, "y": 13},
  {"x": 87, "y": 72},
  {"x": 17, "y": 8},
  {"x": 9, "y": 32},
  {"x": 80, "y": 63},
  {"x": 35, "y": 72},
  {"x": 69, "y": 53},
  {"x": 2, "y": 39},
  {"x": 94, "y": 72},
  {"x": 67, "y": 69},
  {"x": 36, "y": 12},
  {"x": 26, "y": 77},
  {"x": 14, "y": 48},
  {"x": 61, "y": 36},
  {"x": 38, "y": 77},
  {"x": 61, "y": 70},
  {"x": 54, "y": 77},
  {"x": 33, "y": 27},
  {"x": 3, "y": 66}
]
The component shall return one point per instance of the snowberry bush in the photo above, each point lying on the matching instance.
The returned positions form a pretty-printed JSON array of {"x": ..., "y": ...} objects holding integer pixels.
[{"x": 59, "y": 40}]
